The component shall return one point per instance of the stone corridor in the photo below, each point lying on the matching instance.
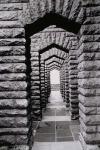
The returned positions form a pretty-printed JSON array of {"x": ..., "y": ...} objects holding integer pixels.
[
  {"x": 36, "y": 37},
  {"x": 56, "y": 131}
]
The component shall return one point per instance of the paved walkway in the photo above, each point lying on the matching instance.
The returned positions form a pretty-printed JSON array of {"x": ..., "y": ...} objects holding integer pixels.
[{"x": 56, "y": 131}]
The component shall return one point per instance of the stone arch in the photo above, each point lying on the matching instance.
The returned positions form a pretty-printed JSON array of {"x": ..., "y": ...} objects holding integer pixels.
[
  {"x": 72, "y": 11},
  {"x": 36, "y": 48},
  {"x": 21, "y": 14}
]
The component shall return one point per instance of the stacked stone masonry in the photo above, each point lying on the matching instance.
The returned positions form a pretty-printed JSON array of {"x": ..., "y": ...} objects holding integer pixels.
[{"x": 69, "y": 30}]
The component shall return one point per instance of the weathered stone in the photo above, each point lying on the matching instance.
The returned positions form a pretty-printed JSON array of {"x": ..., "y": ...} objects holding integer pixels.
[
  {"x": 13, "y": 86},
  {"x": 13, "y": 122},
  {"x": 12, "y": 42},
  {"x": 12, "y": 33},
  {"x": 13, "y": 139},
  {"x": 14, "y": 131},
  {"x": 12, "y": 59},
  {"x": 13, "y": 103},
  {"x": 89, "y": 83},
  {"x": 21, "y": 147},
  {"x": 13, "y": 1},
  {"x": 10, "y": 6},
  {"x": 13, "y": 94},
  {"x": 88, "y": 120},
  {"x": 12, "y": 50},
  {"x": 14, "y": 67},
  {"x": 10, "y": 24},
  {"x": 13, "y": 112},
  {"x": 88, "y": 110},
  {"x": 89, "y": 65},
  {"x": 89, "y": 101},
  {"x": 8, "y": 15},
  {"x": 13, "y": 77},
  {"x": 89, "y": 92}
]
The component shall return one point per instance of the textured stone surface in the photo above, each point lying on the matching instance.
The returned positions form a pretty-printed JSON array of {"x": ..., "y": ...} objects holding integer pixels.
[{"x": 20, "y": 72}]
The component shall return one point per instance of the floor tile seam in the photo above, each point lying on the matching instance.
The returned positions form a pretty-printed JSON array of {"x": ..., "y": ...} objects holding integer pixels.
[
  {"x": 55, "y": 126},
  {"x": 72, "y": 133},
  {"x": 64, "y": 136},
  {"x": 45, "y": 133},
  {"x": 55, "y": 120}
]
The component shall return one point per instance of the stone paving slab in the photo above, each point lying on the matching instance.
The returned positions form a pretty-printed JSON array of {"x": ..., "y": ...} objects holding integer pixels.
[
  {"x": 57, "y": 146},
  {"x": 56, "y": 131}
]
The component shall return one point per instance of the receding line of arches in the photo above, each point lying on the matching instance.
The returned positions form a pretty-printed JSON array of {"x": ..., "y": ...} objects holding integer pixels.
[
  {"x": 53, "y": 62},
  {"x": 52, "y": 57},
  {"x": 53, "y": 45},
  {"x": 54, "y": 66}
]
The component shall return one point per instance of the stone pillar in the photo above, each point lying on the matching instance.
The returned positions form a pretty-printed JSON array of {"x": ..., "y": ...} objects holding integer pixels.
[
  {"x": 14, "y": 127},
  {"x": 61, "y": 88},
  {"x": 73, "y": 83},
  {"x": 89, "y": 76},
  {"x": 48, "y": 83},
  {"x": 43, "y": 101},
  {"x": 35, "y": 85},
  {"x": 62, "y": 82},
  {"x": 67, "y": 83},
  {"x": 46, "y": 95}
]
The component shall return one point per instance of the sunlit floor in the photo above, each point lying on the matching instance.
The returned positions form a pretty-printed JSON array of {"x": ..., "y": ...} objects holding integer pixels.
[{"x": 56, "y": 131}]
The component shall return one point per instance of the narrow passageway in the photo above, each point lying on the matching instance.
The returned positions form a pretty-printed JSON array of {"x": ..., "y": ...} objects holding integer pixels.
[{"x": 56, "y": 131}]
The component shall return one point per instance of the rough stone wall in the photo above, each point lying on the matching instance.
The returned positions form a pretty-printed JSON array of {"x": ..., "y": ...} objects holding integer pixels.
[
  {"x": 35, "y": 82},
  {"x": 43, "y": 100},
  {"x": 47, "y": 83},
  {"x": 67, "y": 82},
  {"x": 46, "y": 74},
  {"x": 14, "y": 127},
  {"x": 62, "y": 80},
  {"x": 14, "y": 83},
  {"x": 89, "y": 69},
  {"x": 73, "y": 82}
]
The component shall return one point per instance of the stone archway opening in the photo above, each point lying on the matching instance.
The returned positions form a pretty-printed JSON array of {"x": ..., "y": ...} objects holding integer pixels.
[
  {"x": 38, "y": 94},
  {"x": 20, "y": 84},
  {"x": 55, "y": 79}
]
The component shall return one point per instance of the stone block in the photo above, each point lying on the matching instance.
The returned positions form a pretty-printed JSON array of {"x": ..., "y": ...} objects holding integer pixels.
[
  {"x": 11, "y": 6},
  {"x": 13, "y": 103},
  {"x": 12, "y": 42},
  {"x": 13, "y": 1},
  {"x": 8, "y": 15},
  {"x": 90, "y": 29},
  {"x": 13, "y": 139},
  {"x": 88, "y": 110},
  {"x": 89, "y": 101},
  {"x": 13, "y": 94},
  {"x": 89, "y": 92},
  {"x": 12, "y": 59},
  {"x": 14, "y": 131},
  {"x": 15, "y": 122},
  {"x": 12, "y": 33},
  {"x": 13, "y": 86},
  {"x": 89, "y": 65},
  {"x": 88, "y": 74},
  {"x": 90, "y": 3},
  {"x": 90, "y": 119},
  {"x": 87, "y": 146},
  {"x": 11, "y": 68},
  {"x": 89, "y": 83},
  {"x": 13, "y": 77},
  {"x": 12, "y": 50},
  {"x": 35, "y": 83},
  {"x": 13, "y": 112},
  {"x": 10, "y": 24}
]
